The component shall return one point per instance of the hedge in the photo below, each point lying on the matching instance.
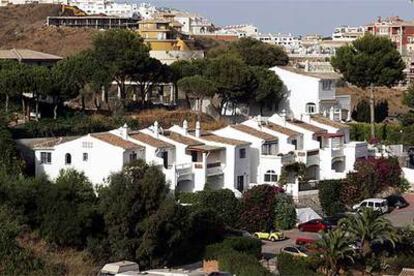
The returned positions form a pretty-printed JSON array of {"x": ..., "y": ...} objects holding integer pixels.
[
  {"x": 289, "y": 265},
  {"x": 329, "y": 196}
]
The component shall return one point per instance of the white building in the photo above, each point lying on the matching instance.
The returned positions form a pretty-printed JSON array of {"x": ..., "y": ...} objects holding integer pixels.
[
  {"x": 347, "y": 33},
  {"x": 291, "y": 43},
  {"x": 243, "y": 30},
  {"x": 235, "y": 157},
  {"x": 312, "y": 90},
  {"x": 193, "y": 24},
  {"x": 23, "y": 2}
]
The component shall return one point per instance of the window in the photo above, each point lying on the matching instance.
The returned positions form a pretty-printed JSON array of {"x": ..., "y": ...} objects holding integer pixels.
[
  {"x": 45, "y": 158},
  {"x": 270, "y": 176},
  {"x": 295, "y": 143},
  {"x": 194, "y": 156},
  {"x": 68, "y": 159},
  {"x": 240, "y": 183},
  {"x": 242, "y": 153},
  {"x": 85, "y": 156},
  {"x": 310, "y": 108},
  {"x": 327, "y": 84},
  {"x": 165, "y": 159},
  {"x": 132, "y": 156},
  {"x": 269, "y": 149}
]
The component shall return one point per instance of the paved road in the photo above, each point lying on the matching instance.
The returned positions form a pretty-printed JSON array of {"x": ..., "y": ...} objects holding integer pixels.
[{"x": 398, "y": 217}]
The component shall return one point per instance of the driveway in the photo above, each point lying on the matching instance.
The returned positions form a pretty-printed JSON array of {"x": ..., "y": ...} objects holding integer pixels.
[
  {"x": 404, "y": 216},
  {"x": 398, "y": 217}
]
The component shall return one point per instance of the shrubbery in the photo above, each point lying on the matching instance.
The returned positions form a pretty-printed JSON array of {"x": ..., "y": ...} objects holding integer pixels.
[
  {"x": 285, "y": 212},
  {"x": 237, "y": 255},
  {"x": 289, "y": 265},
  {"x": 329, "y": 195},
  {"x": 258, "y": 208}
]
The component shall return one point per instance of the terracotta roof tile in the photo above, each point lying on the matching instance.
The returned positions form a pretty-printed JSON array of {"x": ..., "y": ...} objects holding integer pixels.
[
  {"x": 223, "y": 140},
  {"x": 182, "y": 139},
  {"x": 149, "y": 140},
  {"x": 49, "y": 143},
  {"x": 328, "y": 122},
  {"x": 307, "y": 126},
  {"x": 254, "y": 132},
  {"x": 116, "y": 141},
  {"x": 281, "y": 129}
]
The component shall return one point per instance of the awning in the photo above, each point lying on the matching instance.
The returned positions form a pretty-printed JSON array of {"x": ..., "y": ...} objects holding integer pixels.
[
  {"x": 332, "y": 135},
  {"x": 204, "y": 148}
]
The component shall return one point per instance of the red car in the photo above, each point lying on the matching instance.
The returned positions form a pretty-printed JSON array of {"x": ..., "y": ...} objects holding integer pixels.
[
  {"x": 305, "y": 241},
  {"x": 314, "y": 225}
]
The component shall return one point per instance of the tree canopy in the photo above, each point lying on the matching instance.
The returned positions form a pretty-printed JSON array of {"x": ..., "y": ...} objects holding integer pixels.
[{"x": 370, "y": 60}]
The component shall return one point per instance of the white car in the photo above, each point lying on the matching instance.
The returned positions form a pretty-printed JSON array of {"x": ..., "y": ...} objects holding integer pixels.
[{"x": 376, "y": 204}]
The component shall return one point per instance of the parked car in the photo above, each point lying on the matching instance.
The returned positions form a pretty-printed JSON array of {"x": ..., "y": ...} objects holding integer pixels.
[
  {"x": 397, "y": 201},
  {"x": 332, "y": 221},
  {"x": 304, "y": 241},
  {"x": 377, "y": 204},
  {"x": 314, "y": 225},
  {"x": 298, "y": 251},
  {"x": 271, "y": 236}
]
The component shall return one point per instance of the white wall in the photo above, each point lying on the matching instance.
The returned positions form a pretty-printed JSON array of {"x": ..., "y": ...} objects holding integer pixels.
[
  {"x": 300, "y": 90},
  {"x": 103, "y": 159}
]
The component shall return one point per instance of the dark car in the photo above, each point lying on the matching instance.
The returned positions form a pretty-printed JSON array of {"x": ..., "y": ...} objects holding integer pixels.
[
  {"x": 314, "y": 225},
  {"x": 396, "y": 201},
  {"x": 332, "y": 221}
]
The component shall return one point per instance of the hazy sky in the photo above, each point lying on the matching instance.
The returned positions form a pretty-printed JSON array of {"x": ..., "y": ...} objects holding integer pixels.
[{"x": 295, "y": 16}]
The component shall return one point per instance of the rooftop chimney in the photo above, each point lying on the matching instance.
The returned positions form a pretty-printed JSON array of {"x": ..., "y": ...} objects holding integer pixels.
[
  {"x": 185, "y": 127},
  {"x": 331, "y": 113},
  {"x": 156, "y": 129},
  {"x": 198, "y": 129},
  {"x": 124, "y": 131},
  {"x": 259, "y": 120}
]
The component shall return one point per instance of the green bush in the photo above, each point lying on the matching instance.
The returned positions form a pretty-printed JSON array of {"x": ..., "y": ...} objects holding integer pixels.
[
  {"x": 285, "y": 212},
  {"x": 188, "y": 198},
  {"x": 241, "y": 264},
  {"x": 244, "y": 245},
  {"x": 289, "y": 265},
  {"x": 329, "y": 195}
]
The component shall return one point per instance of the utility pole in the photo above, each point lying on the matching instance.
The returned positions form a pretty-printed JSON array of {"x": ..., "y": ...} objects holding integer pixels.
[{"x": 372, "y": 110}]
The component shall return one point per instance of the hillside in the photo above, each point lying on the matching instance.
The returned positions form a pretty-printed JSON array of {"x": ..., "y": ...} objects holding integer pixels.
[
  {"x": 24, "y": 26},
  {"x": 393, "y": 96}
]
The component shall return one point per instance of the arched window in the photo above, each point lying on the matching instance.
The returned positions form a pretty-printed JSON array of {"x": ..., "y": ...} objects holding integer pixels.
[
  {"x": 310, "y": 108},
  {"x": 68, "y": 159},
  {"x": 270, "y": 176}
]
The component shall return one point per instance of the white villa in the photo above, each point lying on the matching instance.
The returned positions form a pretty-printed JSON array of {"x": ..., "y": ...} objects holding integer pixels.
[
  {"x": 235, "y": 157},
  {"x": 312, "y": 90}
]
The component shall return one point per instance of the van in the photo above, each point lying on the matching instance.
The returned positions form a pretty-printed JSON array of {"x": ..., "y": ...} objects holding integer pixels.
[{"x": 376, "y": 204}]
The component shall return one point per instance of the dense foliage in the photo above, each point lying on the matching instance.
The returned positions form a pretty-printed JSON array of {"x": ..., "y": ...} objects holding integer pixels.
[
  {"x": 238, "y": 256},
  {"x": 290, "y": 265},
  {"x": 329, "y": 194},
  {"x": 285, "y": 212},
  {"x": 258, "y": 208},
  {"x": 362, "y": 112}
]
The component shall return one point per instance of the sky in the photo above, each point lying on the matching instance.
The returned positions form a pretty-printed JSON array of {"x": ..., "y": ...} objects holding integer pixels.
[{"x": 299, "y": 17}]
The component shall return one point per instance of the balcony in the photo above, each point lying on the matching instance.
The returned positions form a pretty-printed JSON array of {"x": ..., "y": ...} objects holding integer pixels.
[
  {"x": 312, "y": 158},
  {"x": 288, "y": 159},
  {"x": 337, "y": 152},
  {"x": 214, "y": 168},
  {"x": 183, "y": 169}
]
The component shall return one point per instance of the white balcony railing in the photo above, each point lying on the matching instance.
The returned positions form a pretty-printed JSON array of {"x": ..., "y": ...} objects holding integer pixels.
[
  {"x": 214, "y": 168},
  {"x": 183, "y": 169},
  {"x": 337, "y": 152}
]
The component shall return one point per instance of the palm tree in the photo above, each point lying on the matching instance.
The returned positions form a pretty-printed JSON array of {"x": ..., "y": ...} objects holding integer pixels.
[
  {"x": 335, "y": 247},
  {"x": 367, "y": 227}
]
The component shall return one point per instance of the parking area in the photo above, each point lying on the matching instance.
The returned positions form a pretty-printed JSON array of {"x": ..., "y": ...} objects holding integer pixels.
[{"x": 398, "y": 217}]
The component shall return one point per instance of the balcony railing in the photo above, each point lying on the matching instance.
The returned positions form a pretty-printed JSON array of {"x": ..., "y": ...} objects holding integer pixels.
[
  {"x": 213, "y": 165},
  {"x": 312, "y": 158},
  {"x": 308, "y": 185},
  {"x": 339, "y": 152},
  {"x": 183, "y": 169}
]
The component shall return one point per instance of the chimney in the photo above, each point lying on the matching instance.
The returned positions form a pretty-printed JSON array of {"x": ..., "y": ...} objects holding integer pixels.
[
  {"x": 156, "y": 129},
  {"x": 307, "y": 66},
  {"x": 331, "y": 113},
  {"x": 124, "y": 131},
  {"x": 198, "y": 129},
  {"x": 283, "y": 116},
  {"x": 185, "y": 127},
  {"x": 259, "y": 120}
]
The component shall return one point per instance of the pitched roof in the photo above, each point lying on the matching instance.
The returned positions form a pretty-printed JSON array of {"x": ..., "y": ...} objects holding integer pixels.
[
  {"x": 307, "y": 126},
  {"x": 49, "y": 143},
  {"x": 116, "y": 141},
  {"x": 149, "y": 140},
  {"x": 318, "y": 75},
  {"x": 182, "y": 139},
  {"x": 254, "y": 132},
  {"x": 281, "y": 129},
  {"x": 25, "y": 54},
  {"x": 223, "y": 140},
  {"x": 326, "y": 121}
]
